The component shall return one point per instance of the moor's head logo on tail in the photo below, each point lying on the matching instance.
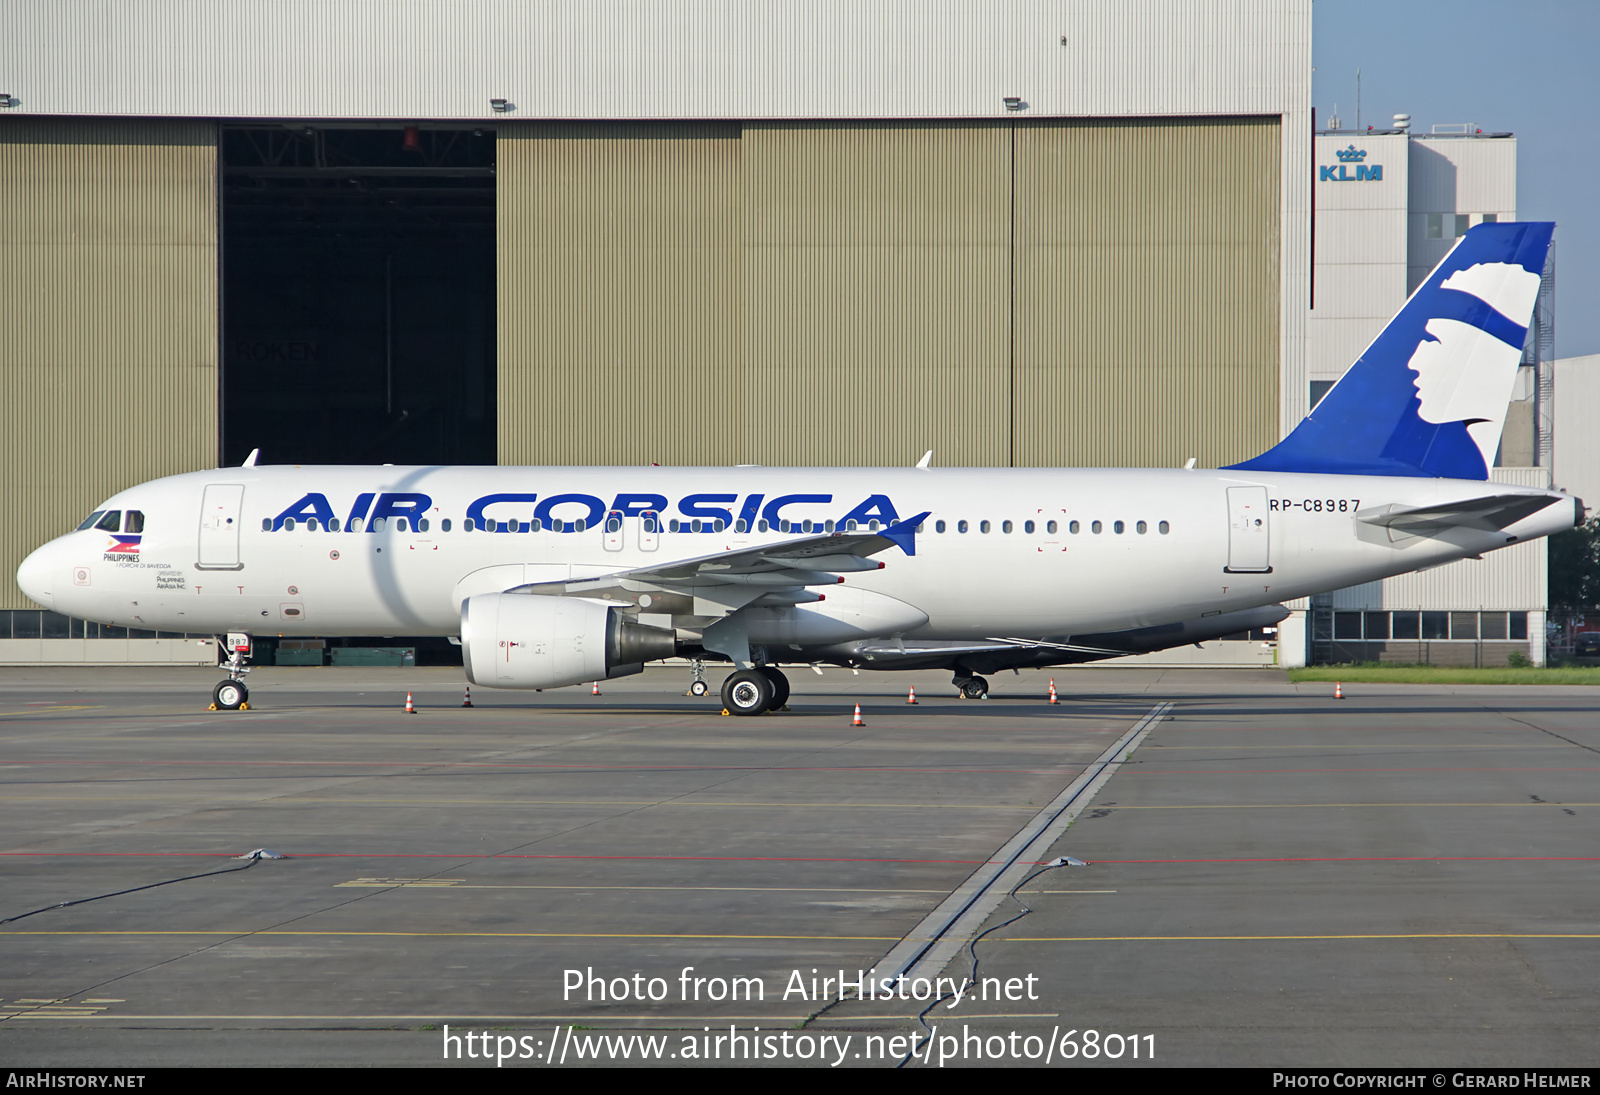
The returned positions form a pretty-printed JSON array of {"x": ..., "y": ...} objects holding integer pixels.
[{"x": 1429, "y": 396}]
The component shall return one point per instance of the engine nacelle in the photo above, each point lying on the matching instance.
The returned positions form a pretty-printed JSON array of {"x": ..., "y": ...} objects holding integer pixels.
[{"x": 511, "y": 640}]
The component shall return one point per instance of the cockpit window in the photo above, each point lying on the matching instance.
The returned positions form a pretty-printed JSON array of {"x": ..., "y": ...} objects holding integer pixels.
[
  {"x": 88, "y": 522},
  {"x": 111, "y": 522},
  {"x": 135, "y": 521}
]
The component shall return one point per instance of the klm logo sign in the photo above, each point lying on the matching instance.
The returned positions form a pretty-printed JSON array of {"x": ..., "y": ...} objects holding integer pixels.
[{"x": 1349, "y": 157}]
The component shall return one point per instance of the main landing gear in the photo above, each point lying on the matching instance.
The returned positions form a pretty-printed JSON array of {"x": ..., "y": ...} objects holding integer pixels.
[
  {"x": 756, "y": 690},
  {"x": 972, "y": 688},
  {"x": 231, "y": 694}
]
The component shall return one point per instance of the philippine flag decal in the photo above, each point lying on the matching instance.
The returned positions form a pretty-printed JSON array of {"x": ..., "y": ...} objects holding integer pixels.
[{"x": 123, "y": 544}]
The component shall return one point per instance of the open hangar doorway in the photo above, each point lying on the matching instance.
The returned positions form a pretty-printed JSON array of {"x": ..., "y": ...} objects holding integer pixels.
[{"x": 358, "y": 276}]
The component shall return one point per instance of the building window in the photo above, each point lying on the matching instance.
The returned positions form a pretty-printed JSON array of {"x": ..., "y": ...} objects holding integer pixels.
[
  {"x": 1463, "y": 222},
  {"x": 1320, "y": 388},
  {"x": 1436, "y": 226}
]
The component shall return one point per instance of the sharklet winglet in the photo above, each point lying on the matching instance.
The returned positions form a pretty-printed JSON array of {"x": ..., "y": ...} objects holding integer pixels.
[{"x": 903, "y": 533}]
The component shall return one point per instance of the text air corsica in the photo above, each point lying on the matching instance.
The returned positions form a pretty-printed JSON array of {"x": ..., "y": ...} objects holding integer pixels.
[{"x": 506, "y": 510}]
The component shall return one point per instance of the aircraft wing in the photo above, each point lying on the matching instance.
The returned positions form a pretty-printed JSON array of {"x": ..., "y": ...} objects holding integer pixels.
[
  {"x": 1488, "y": 513},
  {"x": 728, "y": 580}
]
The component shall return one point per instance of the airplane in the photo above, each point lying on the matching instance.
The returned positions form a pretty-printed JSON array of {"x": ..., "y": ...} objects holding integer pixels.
[{"x": 559, "y": 576}]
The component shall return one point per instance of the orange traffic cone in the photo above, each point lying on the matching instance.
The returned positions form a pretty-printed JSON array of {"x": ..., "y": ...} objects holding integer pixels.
[
  {"x": 1053, "y": 697},
  {"x": 596, "y": 690},
  {"x": 857, "y": 720},
  {"x": 911, "y": 697},
  {"x": 1338, "y": 690},
  {"x": 466, "y": 701},
  {"x": 411, "y": 708}
]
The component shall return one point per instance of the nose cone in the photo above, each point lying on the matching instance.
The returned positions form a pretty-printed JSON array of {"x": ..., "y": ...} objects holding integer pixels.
[{"x": 35, "y": 576}]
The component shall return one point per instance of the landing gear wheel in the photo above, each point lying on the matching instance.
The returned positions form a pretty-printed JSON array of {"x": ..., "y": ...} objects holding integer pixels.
[
  {"x": 747, "y": 692},
  {"x": 699, "y": 688},
  {"x": 974, "y": 688},
  {"x": 780, "y": 686},
  {"x": 230, "y": 695}
]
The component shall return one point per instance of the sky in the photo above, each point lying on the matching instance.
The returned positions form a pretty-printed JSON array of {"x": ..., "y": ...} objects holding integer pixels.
[{"x": 1527, "y": 67}]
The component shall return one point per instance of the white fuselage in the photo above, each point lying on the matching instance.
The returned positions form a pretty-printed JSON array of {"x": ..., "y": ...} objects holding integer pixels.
[{"x": 205, "y": 563}]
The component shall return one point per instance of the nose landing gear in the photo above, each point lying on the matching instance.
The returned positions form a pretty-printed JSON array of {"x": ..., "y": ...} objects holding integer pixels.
[{"x": 231, "y": 694}]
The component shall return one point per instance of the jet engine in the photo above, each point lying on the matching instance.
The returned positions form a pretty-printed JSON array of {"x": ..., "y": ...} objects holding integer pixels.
[{"x": 513, "y": 640}]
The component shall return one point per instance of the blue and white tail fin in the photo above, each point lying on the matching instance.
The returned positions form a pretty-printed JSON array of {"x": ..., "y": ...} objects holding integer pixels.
[{"x": 1428, "y": 397}]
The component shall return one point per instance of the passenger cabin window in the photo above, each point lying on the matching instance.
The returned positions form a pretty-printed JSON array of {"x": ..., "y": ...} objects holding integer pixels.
[{"x": 938, "y": 526}]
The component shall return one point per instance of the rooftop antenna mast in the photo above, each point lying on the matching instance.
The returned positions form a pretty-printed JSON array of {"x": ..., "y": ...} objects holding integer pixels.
[{"x": 1358, "y": 100}]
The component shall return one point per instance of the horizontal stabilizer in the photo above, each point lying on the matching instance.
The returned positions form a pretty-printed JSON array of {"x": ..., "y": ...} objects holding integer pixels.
[{"x": 1490, "y": 513}]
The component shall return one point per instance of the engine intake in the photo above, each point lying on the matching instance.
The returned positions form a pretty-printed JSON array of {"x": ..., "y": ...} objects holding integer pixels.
[{"x": 512, "y": 640}]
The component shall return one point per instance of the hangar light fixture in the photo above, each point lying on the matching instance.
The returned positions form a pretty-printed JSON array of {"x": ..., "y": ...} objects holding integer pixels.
[
  {"x": 6, "y": 99},
  {"x": 500, "y": 106},
  {"x": 1012, "y": 102}
]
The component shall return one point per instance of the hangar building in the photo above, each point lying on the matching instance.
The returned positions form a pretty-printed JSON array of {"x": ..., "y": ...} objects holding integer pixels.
[{"x": 618, "y": 231}]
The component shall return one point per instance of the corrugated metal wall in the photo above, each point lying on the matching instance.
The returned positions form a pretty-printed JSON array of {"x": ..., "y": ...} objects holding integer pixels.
[
  {"x": 1147, "y": 291},
  {"x": 108, "y": 322},
  {"x": 620, "y": 285},
  {"x": 854, "y": 293},
  {"x": 876, "y": 285}
]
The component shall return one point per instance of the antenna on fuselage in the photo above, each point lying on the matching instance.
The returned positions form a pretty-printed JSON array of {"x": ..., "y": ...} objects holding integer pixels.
[
  {"x": 250, "y": 461},
  {"x": 927, "y": 457}
]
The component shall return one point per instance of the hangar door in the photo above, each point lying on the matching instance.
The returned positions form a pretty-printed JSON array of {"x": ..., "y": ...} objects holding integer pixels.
[
  {"x": 1037, "y": 293},
  {"x": 108, "y": 325}
]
